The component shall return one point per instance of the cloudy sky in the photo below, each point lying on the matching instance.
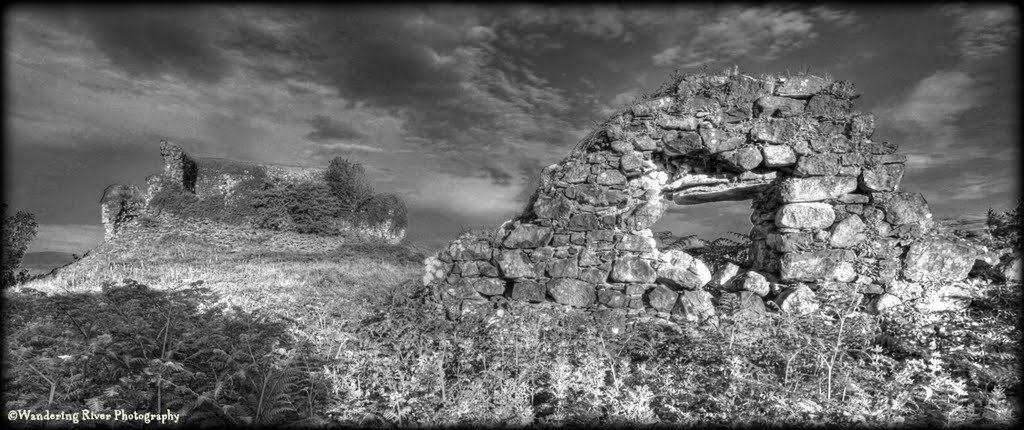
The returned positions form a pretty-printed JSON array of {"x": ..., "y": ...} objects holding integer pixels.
[{"x": 457, "y": 108}]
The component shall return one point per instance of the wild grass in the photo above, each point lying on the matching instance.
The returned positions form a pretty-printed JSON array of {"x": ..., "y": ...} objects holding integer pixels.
[{"x": 253, "y": 336}]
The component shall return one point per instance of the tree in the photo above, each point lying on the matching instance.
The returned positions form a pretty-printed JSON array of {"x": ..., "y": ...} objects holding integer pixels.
[
  {"x": 19, "y": 230},
  {"x": 349, "y": 183}
]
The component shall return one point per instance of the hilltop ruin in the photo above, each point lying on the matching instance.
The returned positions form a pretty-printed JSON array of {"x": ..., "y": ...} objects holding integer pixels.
[{"x": 236, "y": 198}]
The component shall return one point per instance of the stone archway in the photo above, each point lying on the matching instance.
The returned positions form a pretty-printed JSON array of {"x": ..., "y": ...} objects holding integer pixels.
[{"x": 825, "y": 206}]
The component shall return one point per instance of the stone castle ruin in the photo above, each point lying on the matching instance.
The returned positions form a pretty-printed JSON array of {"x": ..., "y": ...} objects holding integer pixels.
[
  {"x": 223, "y": 183},
  {"x": 829, "y": 218}
]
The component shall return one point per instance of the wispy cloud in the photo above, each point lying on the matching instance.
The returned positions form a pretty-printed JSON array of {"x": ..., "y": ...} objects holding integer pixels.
[
  {"x": 330, "y": 130},
  {"x": 758, "y": 34},
  {"x": 974, "y": 186},
  {"x": 934, "y": 106},
  {"x": 985, "y": 31}
]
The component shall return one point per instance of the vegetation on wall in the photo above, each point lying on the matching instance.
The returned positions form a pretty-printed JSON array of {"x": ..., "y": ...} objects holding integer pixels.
[
  {"x": 345, "y": 196},
  {"x": 302, "y": 207},
  {"x": 19, "y": 230}
]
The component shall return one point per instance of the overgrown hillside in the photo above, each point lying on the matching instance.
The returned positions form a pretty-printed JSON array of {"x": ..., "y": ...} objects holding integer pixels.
[{"x": 248, "y": 335}]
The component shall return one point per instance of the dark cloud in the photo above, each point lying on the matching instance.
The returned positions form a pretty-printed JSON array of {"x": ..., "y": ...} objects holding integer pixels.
[
  {"x": 153, "y": 41},
  {"x": 330, "y": 130},
  {"x": 497, "y": 175}
]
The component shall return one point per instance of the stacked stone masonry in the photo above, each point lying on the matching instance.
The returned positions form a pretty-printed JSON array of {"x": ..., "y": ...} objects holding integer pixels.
[
  {"x": 123, "y": 206},
  {"x": 826, "y": 209}
]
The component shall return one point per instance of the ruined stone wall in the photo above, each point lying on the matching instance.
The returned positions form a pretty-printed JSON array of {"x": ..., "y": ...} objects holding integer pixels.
[
  {"x": 122, "y": 206},
  {"x": 826, "y": 209}
]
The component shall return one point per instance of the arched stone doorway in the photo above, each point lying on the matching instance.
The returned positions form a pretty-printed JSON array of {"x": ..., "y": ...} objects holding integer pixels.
[{"x": 825, "y": 206}]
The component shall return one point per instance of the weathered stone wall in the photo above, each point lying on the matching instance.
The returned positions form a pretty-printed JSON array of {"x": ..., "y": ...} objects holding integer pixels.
[
  {"x": 122, "y": 205},
  {"x": 826, "y": 208}
]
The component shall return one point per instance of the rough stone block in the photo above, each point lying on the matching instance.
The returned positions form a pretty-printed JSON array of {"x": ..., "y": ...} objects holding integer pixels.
[
  {"x": 695, "y": 305},
  {"x": 662, "y": 299},
  {"x": 717, "y": 141},
  {"x": 774, "y": 131},
  {"x": 862, "y": 125},
  {"x": 816, "y": 188},
  {"x": 742, "y": 159},
  {"x": 552, "y": 207},
  {"x": 596, "y": 195},
  {"x": 805, "y": 216},
  {"x": 464, "y": 288},
  {"x": 468, "y": 268},
  {"x": 462, "y": 250},
  {"x": 611, "y": 177},
  {"x": 848, "y": 232},
  {"x": 487, "y": 286},
  {"x": 828, "y": 106},
  {"x": 528, "y": 236},
  {"x": 902, "y": 207},
  {"x": 746, "y": 305},
  {"x": 487, "y": 269},
  {"x": 514, "y": 264},
  {"x": 529, "y": 291},
  {"x": 631, "y": 164},
  {"x": 583, "y": 222},
  {"x": 622, "y": 147},
  {"x": 572, "y": 292},
  {"x": 680, "y": 270},
  {"x": 778, "y": 156},
  {"x": 576, "y": 173},
  {"x": 636, "y": 243},
  {"x": 611, "y": 298},
  {"x": 876, "y": 148},
  {"x": 772, "y": 106},
  {"x": 632, "y": 270},
  {"x": 596, "y": 275},
  {"x": 753, "y": 282},
  {"x": 823, "y": 265},
  {"x": 883, "y": 177},
  {"x": 798, "y": 300},
  {"x": 683, "y": 143},
  {"x": 817, "y": 165},
  {"x": 800, "y": 87},
  {"x": 563, "y": 268},
  {"x": 939, "y": 259},
  {"x": 686, "y": 123},
  {"x": 643, "y": 143},
  {"x": 724, "y": 275}
]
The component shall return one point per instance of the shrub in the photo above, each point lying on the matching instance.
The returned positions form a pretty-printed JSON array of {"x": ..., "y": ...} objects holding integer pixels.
[
  {"x": 383, "y": 207},
  {"x": 302, "y": 207},
  {"x": 19, "y": 230},
  {"x": 239, "y": 209},
  {"x": 1006, "y": 227},
  {"x": 347, "y": 180}
]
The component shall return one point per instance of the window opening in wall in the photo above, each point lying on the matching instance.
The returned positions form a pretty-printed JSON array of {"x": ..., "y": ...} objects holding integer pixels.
[{"x": 715, "y": 232}]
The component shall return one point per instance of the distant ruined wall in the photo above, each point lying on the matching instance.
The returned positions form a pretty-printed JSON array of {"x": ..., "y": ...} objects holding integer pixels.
[
  {"x": 209, "y": 178},
  {"x": 827, "y": 213}
]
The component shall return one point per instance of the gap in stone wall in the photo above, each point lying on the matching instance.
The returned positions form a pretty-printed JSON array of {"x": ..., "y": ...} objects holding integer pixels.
[{"x": 708, "y": 221}]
